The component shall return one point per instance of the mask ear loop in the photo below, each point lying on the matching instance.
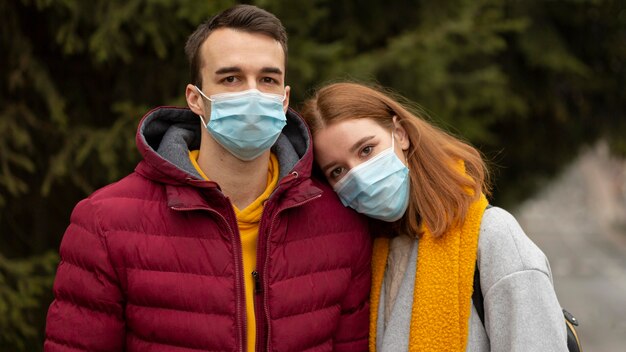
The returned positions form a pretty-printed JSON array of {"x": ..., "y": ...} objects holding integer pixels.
[
  {"x": 201, "y": 93},
  {"x": 394, "y": 120},
  {"x": 393, "y": 140},
  {"x": 207, "y": 98},
  {"x": 203, "y": 123},
  {"x": 405, "y": 152}
]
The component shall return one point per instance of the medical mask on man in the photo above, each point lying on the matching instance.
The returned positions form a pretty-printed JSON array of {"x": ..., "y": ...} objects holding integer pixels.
[
  {"x": 378, "y": 188},
  {"x": 246, "y": 123}
]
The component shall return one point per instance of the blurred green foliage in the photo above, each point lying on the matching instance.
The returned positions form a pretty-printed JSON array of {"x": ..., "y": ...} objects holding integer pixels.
[
  {"x": 528, "y": 82},
  {"x": 25, "y": 284}
]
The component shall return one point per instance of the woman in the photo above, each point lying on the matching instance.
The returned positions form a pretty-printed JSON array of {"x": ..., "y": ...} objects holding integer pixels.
[{"x": 389, "y": 164}]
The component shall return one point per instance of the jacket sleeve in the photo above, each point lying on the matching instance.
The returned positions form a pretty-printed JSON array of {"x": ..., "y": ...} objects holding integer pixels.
[
  {"x": 522, "y": 312},
  {"x": 352, "y": 332},
  {"x": 87, "y": 311}
]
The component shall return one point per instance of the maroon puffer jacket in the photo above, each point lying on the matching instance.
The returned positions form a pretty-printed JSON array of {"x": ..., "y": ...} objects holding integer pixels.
[{"x": 153, "y": 262}]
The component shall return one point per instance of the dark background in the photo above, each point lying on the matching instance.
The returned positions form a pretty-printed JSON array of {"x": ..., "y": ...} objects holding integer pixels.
[{"x": 528, "y": 82}]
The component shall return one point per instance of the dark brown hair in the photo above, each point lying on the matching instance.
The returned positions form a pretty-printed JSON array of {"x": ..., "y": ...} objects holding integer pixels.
[
  {"x": 246, "y": 18},
  {"x": 447, "y": 174}
]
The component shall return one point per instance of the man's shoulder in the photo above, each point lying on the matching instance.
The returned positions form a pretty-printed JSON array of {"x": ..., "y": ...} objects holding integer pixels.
[
  {"x": 330, "y": 200},
  {"x": 330, "y": 212},
  {"x": 116, "y": 199},
  {"x": 133, "y": 186},
  {"x": 324, "y": 223}
]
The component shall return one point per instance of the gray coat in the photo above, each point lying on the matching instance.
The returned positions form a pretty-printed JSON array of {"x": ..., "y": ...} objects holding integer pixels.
[{"x": 522, "y": 312}]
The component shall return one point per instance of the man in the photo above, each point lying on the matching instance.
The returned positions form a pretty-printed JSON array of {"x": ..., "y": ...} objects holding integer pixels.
[{"x": 220, "y": 240}]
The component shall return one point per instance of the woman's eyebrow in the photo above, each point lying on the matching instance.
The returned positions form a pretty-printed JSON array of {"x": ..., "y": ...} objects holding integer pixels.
[
  {"x": 360, "y": 142},
  {"x": 328, "y": 166},
  {"x": 354, "y": 147}
]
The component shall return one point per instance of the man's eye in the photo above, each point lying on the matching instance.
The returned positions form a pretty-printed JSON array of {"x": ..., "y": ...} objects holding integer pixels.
[
  {"x": 230, "y": 79},
  {"x": 269, "y": 80}
]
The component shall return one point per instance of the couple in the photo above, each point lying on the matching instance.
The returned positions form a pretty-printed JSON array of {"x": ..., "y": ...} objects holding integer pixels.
[{"x": 221, "y": 240}]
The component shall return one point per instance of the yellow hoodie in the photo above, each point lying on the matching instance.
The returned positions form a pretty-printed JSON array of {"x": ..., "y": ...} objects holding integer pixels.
[{"x": 248, "y": 222}]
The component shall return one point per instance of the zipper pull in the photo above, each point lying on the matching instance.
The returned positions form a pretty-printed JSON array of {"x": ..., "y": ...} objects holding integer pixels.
[{"x": 257, "y": 282}]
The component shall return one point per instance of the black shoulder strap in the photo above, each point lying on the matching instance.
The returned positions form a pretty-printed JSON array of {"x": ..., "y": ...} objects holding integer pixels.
[{"x": 477, "y": 296}]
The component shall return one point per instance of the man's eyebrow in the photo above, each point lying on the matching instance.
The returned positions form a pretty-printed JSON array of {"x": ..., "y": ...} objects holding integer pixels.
[
  {"x": 229, "y": 69},
  {"x": 275, "y": 70},
  {"x": 236, "y": 69}
]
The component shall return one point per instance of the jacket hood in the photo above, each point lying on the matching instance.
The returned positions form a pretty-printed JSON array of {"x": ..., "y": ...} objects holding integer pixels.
[{"x": 166, "y": 135}]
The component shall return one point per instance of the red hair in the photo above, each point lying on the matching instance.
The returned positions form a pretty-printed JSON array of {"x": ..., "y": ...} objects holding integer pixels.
[{"x": 442, "y": 188}]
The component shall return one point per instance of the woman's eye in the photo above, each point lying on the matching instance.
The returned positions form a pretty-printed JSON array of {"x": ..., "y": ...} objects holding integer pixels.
[
  {"x": 336, "y": 172},
  {"x": 367, "y": 150}
]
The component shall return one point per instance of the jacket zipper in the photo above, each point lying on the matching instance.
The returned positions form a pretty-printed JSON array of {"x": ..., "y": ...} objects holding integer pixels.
[
  {"x": 258, "y": 285},
  {"x": 238, "y": 272},
  {"x": 264, "y": 285},
  {"x": 257, "y": 282}
]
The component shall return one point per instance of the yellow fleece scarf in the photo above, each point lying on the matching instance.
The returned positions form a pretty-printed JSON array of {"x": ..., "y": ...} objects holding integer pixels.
[
  {"x": 443, "y": 285},
  {"x": 248, "y": 224}
]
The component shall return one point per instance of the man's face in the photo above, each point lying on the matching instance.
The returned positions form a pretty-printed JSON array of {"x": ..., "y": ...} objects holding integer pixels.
[{"x": 234, "y": 61}]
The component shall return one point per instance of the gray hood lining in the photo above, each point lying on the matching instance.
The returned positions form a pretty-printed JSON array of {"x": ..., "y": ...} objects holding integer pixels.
[{"x": 173, "y": 132}]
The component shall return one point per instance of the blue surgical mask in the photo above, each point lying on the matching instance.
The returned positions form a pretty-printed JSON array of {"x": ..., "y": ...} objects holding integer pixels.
[
  {"x": 378, "y": 188},
  {"x": 245, "y": 123}
]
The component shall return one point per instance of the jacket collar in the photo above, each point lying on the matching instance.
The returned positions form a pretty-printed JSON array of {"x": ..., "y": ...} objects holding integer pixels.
[{"x": 166, "y": 134}]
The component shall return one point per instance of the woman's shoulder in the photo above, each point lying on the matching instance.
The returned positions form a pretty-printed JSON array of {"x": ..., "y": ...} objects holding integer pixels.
[{"x": 504, "y": 249}]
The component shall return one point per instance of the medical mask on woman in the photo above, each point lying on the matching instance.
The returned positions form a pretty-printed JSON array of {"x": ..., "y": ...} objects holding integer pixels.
[
  {"x": 245, "y": 123},
  {"x": 378, "y": 188}
]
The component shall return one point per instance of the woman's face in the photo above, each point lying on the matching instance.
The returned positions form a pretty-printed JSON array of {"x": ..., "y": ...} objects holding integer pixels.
[{"x": 346, "y": 144}]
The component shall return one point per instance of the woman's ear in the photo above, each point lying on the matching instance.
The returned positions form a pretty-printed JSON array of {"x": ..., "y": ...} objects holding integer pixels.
[{"x": 400, "y": 134}]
